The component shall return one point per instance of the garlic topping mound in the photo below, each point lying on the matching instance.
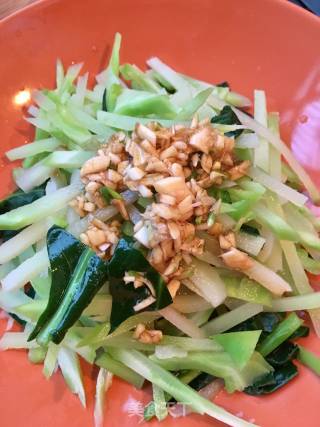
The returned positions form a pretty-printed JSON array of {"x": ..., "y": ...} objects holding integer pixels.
[{"x": 173, "y": 168}]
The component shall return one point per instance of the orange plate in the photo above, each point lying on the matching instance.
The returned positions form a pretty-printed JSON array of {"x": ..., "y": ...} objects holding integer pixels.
[{"x": 267, "y": 44}]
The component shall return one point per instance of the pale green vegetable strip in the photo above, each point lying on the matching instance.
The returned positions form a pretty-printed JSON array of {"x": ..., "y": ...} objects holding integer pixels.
[
  {"x": 191, "y": 344},
  {"x": 37, "y": 355},
  {"x": 309, "y": 359},
  {"x": 275, "y": 156},
  {"x": 6, "y": 268},
  {"x": 249, "y": 243},
  {"x": 68, "y": 159},
  {"x": 127, "y": 122},
  {"x": 26, "y": 271},
  {"x": 190, "y": 303},
  {"x": 280, "y": 334},
  {"x": 207, "y": 283},
  {"x": 72, "y": 340},
  {"x": 201, "y": 317},
  {"x": 36, "y": 147},
  {"x": 16, "y": 340},
  {"x": 300, "y": 302},
  {"x": 10, "y": 300},
  {"x": 70, "y": 367},
  {"x": 308, "y": 236},
  {"x": 232, "y": 318},
  {"x": 300, "y": 279},
  {"x": 181, "y": 322},
  {"x": 169, "y": 383},
  {"x": 277, "y": 224},
  {"x": 261, "y": 153},
  {"x": 160, "y": 404},
  {"x": 50, "y": 362},
  {"x": 120, "y": 370},
  {"x": 19, "y": 243},
  {"x": 267, "y": 278},
  {"x": 39, "y": 209},
  {"x": 277, "y": 187},
  {"x": 34, "y": 176},
  {"x": 90, "y": 122},
  {"x": 104, "y": 382},
  {"x": 309, "y": 264}
]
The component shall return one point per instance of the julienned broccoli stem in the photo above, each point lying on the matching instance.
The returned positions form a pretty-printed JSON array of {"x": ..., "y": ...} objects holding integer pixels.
[{"x": 170, "y": 384}]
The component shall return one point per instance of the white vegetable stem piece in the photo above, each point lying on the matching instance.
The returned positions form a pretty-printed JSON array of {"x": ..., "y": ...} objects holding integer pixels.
[
  {"x": 232, "y": 318},
  {"x": 34, "y": 176},
  {"x": 277, "y": 187},
  {"x": 261, "y": 153},
  {"x": 104, "y": 382},
  {"x": 20, "y": 242},
  {"x": 39, "y": 209},
  {"x": 71, "y": 371},
  {"x": 190, "y": 303},
  {"x": 300, "y": 302},
  {"x": 36, "y": 147},
  {"x": 207, "y": 283},
  {"x": 16, "y": 340},
  {"x": 181, "y": 322},
  {"x": 26, "y": 271},
  {"x": 267, "y": 278}
]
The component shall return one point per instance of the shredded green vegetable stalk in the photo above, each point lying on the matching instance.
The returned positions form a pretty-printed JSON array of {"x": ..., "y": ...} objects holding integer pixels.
[{"x": 161, "y": 234}]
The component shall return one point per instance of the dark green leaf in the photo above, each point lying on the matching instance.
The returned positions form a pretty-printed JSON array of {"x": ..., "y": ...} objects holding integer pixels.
[
  {"x": 228, "y": 117},
  {"x": 223, "y": 84},
  {"x": 15, "y": 200},
  {"x": 250, "y": 230},
  {"x": 283, "y": 354},
  {"x": 104, "y": 101},
  {"x": 71, "y": 292},
  {"x": 273, "y": 381},
  {"x": 301, "y": 332},
  {"x": 262, "y": 321},
  {"x": 201, "y": 381},
  {"x": 125, "y": 296}
]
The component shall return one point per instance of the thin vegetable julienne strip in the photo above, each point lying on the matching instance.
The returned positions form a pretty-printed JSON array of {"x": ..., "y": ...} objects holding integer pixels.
[
  {"x": 280, "y": 334},
  {"x": 169, "y": 383},
  {"x": 309, "y": 359}
]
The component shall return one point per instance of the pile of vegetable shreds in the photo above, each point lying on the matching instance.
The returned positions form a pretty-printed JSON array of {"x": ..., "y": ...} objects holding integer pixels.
[{"x": 161, "y": 233}]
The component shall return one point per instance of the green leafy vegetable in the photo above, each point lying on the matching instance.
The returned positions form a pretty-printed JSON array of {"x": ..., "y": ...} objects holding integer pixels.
[
  {"x": 228, "y": 117},
  {"x": 77, "y": 275},
  {"x": 273, "y": 381},
  {"x": 104, "y": 101},
  {"x": 125, "y": 296},
  {"x": 15, "y": 200},
  {"x": 283, "y": 354}
]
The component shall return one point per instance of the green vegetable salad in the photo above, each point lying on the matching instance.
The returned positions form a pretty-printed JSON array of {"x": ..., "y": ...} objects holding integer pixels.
[{"x": 162, "y": 233}]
